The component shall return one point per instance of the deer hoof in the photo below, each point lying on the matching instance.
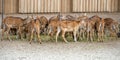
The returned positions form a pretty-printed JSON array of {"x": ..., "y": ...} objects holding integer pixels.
[
  {"x": 30, "y": 43},
  {"x": 40, "y": 42}
]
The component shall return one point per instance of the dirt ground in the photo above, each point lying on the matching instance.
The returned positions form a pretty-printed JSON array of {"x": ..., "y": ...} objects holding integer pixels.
[{"x": 22, "y": 50}]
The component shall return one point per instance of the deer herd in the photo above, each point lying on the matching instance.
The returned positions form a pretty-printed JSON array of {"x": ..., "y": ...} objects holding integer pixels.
[{"x": 80, "y": 28}]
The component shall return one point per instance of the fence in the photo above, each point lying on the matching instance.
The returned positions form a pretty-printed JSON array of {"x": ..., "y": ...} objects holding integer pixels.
[
  {"x": 37, "y": 6},
  {"x": 95, "y": 5},
  {"x": 10, "y": 6},
  {"x": 46, "y": 6}
]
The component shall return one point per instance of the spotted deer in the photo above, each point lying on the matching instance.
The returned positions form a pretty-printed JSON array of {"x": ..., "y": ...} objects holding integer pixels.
[
  {"x": 95, "y": 24},
  {"x": 11, "y": 22}
]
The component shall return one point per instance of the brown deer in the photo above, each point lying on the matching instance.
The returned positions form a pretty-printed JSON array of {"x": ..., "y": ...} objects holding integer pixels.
[
  {"x": 68, "y": 26},
  {"x": 33, "y": 27},
  {"x": 83, "y": 27},
  {"x": 95, "y": 25},
  {"x": 112, "y": 26},
  {"x": 43, "y": 24},
  {"x": 11, "y": 22},
  {"x": 52, "y": 25}
]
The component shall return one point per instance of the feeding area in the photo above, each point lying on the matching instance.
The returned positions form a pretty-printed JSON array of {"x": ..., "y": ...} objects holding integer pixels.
[{"x": 59, "y": 30}]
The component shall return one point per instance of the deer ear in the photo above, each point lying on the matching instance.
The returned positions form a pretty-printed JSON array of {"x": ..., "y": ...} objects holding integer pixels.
[
  {"x": 29, "y": 17},
  {"x": 76, "y": 16},
  {"x": 102, "y": 19},
  {"x": 37, "y": 17}
]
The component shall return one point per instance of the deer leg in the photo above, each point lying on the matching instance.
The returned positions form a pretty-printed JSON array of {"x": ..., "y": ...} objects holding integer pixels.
[
  {"x": 116, "y": 31},
  {"x": 99, "y": 25},
  {"x": 77, "y": 35},
  {"x": 38, "y": 36},
  {"x": 75, "y": 39},
  {"x": 80, "y": 35},
  {"x": 52, "y": 31},
  {"x": 102, "y": 34},
  {"x": 63, "y": 36},
  {"x": 88, "y": 34},
  {"x": 31, "y": 36},
  {"x": 102, "y": 39},
  {"x": 45, "y": 30},
  {"x": 83, "y": 34},
  {"x": 103, "y": 31},
  {"x": 98, "y": 36},
  {"x": 50, "y": 34},
  {"x": 49, "y": 31},
  {"x": 19, "y": 34},
  {"x": 17, "y": 37},
  {"x": 3, "y": 31},
  {"x": 88, "y": 30},
  {"x": 58, "y": 32},
  {"x": 111, "y": 33},
  {"x": 8, "y": 35},
  {"x": 91, "y": 35}
]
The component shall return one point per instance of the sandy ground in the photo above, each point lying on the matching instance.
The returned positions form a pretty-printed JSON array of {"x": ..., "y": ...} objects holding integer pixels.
[{"x": 22, "y": 50}]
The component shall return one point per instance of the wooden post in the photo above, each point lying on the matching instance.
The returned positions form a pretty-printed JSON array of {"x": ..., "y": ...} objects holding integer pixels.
[
  {"x": 2, "y": 13},
  {"x": 39, "y": 6},
  {"x": 0, "y": 6},
  {"x": 119, "y": 5},
  {"x": 96, "y": 5},
  {"x": 87, "y": 5}
]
